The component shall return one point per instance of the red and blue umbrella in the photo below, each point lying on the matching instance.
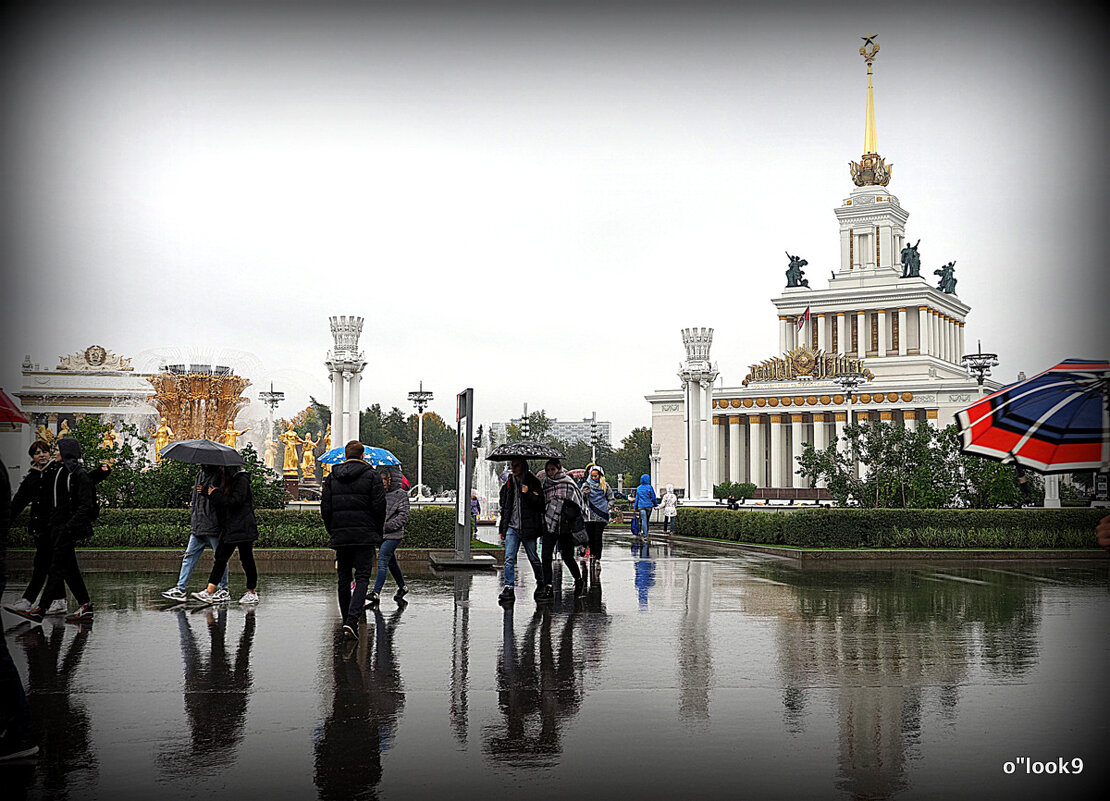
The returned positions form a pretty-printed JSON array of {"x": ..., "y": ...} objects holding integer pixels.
[{"x": 1055, "y": 422}]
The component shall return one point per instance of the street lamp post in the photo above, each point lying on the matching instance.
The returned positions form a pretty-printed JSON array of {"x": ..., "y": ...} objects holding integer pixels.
[
  {"x": 593, "y": 439},
  {"x": 271, "y": 399},
  {"x": 979, "y": 364},
  {"x": 848, "y": 382},
  {"x": 524, "y": 425},
  {"x": 420, "y": 399}
]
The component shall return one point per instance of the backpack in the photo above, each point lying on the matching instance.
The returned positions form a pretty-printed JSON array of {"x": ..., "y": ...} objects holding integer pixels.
[{"x": 95, "y": 505}]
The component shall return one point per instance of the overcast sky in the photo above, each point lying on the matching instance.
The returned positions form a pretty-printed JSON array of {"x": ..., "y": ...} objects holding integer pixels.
[{"x": 531, "y": 202}]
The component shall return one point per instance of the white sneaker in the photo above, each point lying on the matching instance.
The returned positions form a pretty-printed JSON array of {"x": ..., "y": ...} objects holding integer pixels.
[
  {"x": 175, "y": 594},
  {"x": 221, "y": 596},
  {"x": 22, "y": 605},
  {"x": 57, "y": 607},
  {"x": 249, "y": 598},
  {"x": 204, "y": 597}
]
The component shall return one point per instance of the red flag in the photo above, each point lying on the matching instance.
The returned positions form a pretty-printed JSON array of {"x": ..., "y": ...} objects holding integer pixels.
[{"x": 803, "y": 319}]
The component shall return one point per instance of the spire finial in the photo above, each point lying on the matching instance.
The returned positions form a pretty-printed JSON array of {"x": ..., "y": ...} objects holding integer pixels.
[{"x": 871, "y": 170}]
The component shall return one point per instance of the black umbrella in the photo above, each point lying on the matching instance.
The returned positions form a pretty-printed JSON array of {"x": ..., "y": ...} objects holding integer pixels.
[
  {"x": 202, "y": 451},
  {"x": 523, "y": 450}
]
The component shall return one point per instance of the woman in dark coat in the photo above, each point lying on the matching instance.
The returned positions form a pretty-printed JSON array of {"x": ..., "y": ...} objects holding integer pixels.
[{"x": 234, "y": 504}]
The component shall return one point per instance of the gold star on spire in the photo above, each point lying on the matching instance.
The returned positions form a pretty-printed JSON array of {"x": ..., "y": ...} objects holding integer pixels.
[{"x": 870, "y": 38}]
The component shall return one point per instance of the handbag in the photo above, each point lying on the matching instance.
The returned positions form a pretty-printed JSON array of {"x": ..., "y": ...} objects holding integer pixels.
[{"x": 635, "y": 526}]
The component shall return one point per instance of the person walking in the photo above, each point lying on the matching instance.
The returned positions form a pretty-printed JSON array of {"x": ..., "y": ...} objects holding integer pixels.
[
  {"x": 562, "y": 518},
  {"x": 233, "y": 500},
  {"x": 645, "y": 503},
  {"x": 17, "y": 738},
  {"x": 521, "y": 523},
  {"x": 72, "y": 511},
  {"x": 352, "y": 505},
  {"x": 598, "y": 496},
  {"x": 34, "y": 491},
  {"x": 670, "y": 509},
  {"x": 204, "y": 532},
  {"x": 393, "y": 529}
]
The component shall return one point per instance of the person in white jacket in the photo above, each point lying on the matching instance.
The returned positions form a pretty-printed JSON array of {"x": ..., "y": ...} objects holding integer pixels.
[{"x": 670, "y": 509}]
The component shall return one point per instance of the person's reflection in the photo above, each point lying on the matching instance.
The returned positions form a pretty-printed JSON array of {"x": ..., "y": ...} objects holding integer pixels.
[
  {"x": 216, "y": 694},
  {"x": 645, "y": 570},
  {"x": 538, "y": 691},
  {"x": 61, "y": 726},
  {"x": 368, "y": 701}
]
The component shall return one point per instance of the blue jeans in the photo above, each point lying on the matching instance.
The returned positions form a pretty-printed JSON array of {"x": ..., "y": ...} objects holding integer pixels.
[
  {"x": 197, "y": 543},
  {"x": 513, "y": 542},
  {"x": 387, "y": 561},
  {"x": 645, "y": 514}
]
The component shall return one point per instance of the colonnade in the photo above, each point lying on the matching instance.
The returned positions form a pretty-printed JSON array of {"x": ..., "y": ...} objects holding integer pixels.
[
  {"x": 763, "y": 447},
  {"x": 860, "y": 332}
]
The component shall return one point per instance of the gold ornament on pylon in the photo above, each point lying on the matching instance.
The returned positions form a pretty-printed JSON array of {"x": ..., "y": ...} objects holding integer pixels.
[{"x": 806, "y": 360}]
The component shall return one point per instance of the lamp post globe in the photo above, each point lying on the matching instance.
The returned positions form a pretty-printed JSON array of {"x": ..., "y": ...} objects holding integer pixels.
[{"x": 420, "y": 399}]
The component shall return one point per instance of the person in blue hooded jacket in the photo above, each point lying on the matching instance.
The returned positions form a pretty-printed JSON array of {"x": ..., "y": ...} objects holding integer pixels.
[{"x": 646, "y": 501}]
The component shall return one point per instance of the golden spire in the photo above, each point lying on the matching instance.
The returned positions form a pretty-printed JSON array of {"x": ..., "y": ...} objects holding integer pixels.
[
  {"x": 870, "y": 138},
  {"x": 871, "y": 169}
]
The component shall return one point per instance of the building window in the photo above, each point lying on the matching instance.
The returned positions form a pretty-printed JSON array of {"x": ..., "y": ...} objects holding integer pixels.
[
  {"x": 835, "y": 334},
  {"x": 855, "y": 333},
  {"x": 894, "y": 332}
]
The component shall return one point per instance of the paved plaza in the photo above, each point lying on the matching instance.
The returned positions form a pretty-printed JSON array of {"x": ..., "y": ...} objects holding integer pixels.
[{"x": 687, "y": 672}]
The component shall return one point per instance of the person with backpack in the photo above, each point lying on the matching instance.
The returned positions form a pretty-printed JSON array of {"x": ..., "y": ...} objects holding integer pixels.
[
  {"x": 598, "y": 496},
  {"x": 233, "y": 499},
  {"x": 73, "y": 508},
  {"x": 521, "y": 523},
  {"x": 563, "y": 520},
  {"x": 204, "y": 532}
]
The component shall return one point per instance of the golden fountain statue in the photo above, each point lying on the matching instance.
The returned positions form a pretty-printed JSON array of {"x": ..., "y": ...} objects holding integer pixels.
[
  {"x": 45, "y": 434},
  {"x": 198, "y": 401},
  {"x": 271, "y": 454},
  {"x": 230, "y": 436},
  {"x": 291, "y": 440},
  {"x": 308, "y": 456},
  {"x": 162, "y": 436},
  {"x": 64, "y": 430},
  {"x": 326, "y": 468}
]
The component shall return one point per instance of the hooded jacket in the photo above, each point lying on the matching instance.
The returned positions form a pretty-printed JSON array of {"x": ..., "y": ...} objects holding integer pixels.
[
  {"x": 597, "y": 502},
  {"x": 34, "y": 491},
  {"x": 396, "y": 506},
  {"x": 353, "y": 505},
  {"x": 645, "y": 495},
  {"x": 72, "y": 497},
  {"x": 204, "y": 520},
  {"x": 235, "y": 510},
  {"x": 670, "y": 502}
]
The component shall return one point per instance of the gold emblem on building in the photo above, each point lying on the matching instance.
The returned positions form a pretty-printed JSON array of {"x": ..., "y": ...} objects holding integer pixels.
[{"x": 806, "y": 361}]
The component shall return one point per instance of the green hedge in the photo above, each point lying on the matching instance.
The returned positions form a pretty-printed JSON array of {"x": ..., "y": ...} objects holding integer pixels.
[
  {"x": 897, "y": 528},
  {"x": 428, "y": 527}
]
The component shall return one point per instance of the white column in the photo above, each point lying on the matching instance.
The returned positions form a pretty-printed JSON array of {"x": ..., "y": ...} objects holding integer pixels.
[
  {"x": 776, "y": 450},
  {"x": 881, "y": 347},
  {"x": 796, "y": 436},
  {"x": 756, "y": 472},
  {"x": 954, "y": 336},
  {"x": 693, "y": 430},
  {"x": 735, "y": 449},
  {"x": 932, "y": 418},
  {"x": 784, "y": 334},
  {"x": 861, "y": 330},
  {"x": 909, "y": 419},
  {"x": 822, "y": 333},
  {"x": 960, "y": 339},
  {"x": 942, "y": 335},
  {"x": 820, "y": 438},
  {"x": 843, "y": 336},
  {"x": 1052, "y": 491},
  {"x": 353, "y": 400},
  {"x": 922, "y": 330},
  {"x": 338, "y": 396},
  {"x": 934, "y": 333},
  {"x": 903, "y": 333},
  {"x": 840, "y": 420},
  {"x": 707, "y": 442}
]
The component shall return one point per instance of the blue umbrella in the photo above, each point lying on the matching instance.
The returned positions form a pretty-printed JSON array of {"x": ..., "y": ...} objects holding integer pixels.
[{"x": 375, "y": 456}]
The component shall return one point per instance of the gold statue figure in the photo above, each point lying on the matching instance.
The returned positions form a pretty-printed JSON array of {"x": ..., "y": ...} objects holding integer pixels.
[
  {"x": 291, "y": 440},
  {"x": 45, "y": 434},
  {"x": 326, "y": 468},
  {"x": 111, "y": 438},
  {"x": 162, "y": 436},
  {"x": 230, "y": 436},
  {"x": 308, "y": 456},
  {"x": 64, "y": 430},
  {"x": 271, "y": 454}
]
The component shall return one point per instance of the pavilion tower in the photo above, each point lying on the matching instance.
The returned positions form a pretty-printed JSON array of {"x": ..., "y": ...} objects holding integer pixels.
[
  {"x": 345, "y": 364},
  {"x": 698, "y": 374}
]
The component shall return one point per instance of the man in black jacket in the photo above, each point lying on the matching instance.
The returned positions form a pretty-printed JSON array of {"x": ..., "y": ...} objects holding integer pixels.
[
  {"x": 353, "y": 507},
  {"x": 73, "y": 509}
]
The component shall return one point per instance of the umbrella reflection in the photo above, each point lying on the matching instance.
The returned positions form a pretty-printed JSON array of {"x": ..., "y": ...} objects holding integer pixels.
[
  {"x": 216, "y": 694},
  {"x": 539, "y": 689},
  {"x": 367, "y": 704},
  {"x": 61, "y": 726}
]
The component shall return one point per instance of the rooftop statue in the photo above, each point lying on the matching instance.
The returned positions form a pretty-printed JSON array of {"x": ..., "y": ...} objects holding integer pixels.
[
  {"x": 911, "y": 261},
  {"x": 795, "y": 273},
  {"x": 947, "y": 283}
]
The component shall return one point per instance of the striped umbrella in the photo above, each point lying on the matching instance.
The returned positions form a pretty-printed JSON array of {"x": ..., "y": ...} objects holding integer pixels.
[
  {"x": 1055, "y": 422},
  {"x": 375, "y": 456}
]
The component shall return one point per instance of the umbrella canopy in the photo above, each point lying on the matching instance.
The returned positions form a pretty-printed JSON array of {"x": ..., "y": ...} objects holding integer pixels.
[
  {"x": 523, "y": 450},
  {"x": 202, "y": 451},
  {"x": 1055, "y": 422},
  {"x": 9, "y": 412},
  {"x": 375, "y": 456},
  {"x": 577, "y": 473}
]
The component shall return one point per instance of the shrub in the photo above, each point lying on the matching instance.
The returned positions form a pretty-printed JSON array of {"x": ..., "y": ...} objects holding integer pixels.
[
  {"x": 428, "y": 527},
  {"x": 897, "y": 528}
]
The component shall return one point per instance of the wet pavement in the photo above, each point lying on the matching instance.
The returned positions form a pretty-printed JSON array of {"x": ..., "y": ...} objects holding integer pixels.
[{"x": 687, "y": 671}]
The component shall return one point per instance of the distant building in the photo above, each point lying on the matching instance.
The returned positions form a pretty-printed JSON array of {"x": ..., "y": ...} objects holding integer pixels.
[{"x": 569, "y": 432}]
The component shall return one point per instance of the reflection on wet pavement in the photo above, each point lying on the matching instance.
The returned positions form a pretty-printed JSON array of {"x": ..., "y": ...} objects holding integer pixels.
[{"x": 684, "y": 669}]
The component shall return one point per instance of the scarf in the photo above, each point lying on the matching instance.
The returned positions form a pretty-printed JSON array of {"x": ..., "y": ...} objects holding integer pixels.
[
  {"x": 556, "y": 492},
  {"x": 595, "y": 495}
]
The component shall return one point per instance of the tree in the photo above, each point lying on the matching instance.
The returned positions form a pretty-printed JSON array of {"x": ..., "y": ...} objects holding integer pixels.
[{"x": 634, "y": 456}]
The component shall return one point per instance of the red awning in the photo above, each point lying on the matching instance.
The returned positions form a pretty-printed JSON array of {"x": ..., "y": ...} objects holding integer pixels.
[{"x": 9, "y": 412}]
